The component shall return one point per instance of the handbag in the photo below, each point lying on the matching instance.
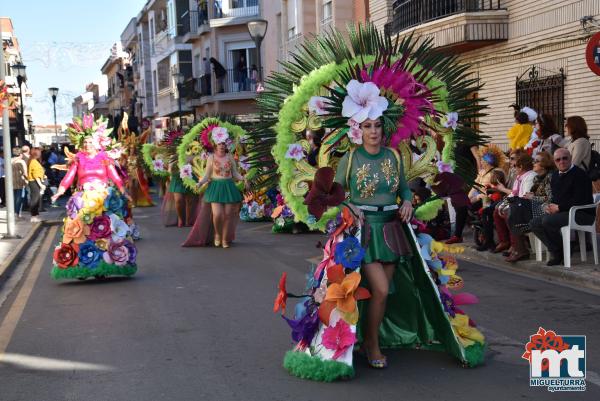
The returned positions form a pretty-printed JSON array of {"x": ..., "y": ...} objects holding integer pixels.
[{"x": 520, "y": 214}]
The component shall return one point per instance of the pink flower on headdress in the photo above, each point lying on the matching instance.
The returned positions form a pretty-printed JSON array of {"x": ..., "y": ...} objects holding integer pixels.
[
  {"x": 363, "y": 101},
  {"x": 158, "y": 165},
  {"x": 317, "y": 105},
  {"x": 100, "y": 140},
  {"x": 354, "y": 132},
  {"x": 88, "y": 121},
  {"x": 220, "y": 135},
  {"x": 295, "y": 151}
]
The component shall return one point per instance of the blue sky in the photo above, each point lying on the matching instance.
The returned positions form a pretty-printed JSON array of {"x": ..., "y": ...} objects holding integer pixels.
[{"x": 64, "y": 43}]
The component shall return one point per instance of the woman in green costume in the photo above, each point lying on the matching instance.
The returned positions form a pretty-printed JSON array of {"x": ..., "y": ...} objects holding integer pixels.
[
  {"x": 222, "y": 194},
  {"x": 183, "y": 197},
  {"x": 375, "y": 179}
]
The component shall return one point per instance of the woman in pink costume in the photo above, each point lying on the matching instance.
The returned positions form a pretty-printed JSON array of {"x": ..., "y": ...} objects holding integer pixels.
[{"x": 97, "y": 233}]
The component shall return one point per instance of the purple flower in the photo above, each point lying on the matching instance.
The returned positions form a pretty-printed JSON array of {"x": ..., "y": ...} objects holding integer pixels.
[
  {"x": 286, "y": 212},
  {"x": 305, "y": 328},
  {"x": 295, "y": 151},
  {"x": 132, "y": 251},
  {"x": 451, "y": 120},
  {"x": 74, "y": 204},
  {"x": 448, "y": 303}
]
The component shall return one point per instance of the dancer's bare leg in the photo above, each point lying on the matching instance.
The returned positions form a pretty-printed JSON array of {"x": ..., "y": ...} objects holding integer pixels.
[
  {"x": 378, "y": 276},
  {"x": 189, "y": 202},
  {"x": 230, "y": 210},
  {"x": 179, "y": 208},
  {"x": 218, "y": 215}
]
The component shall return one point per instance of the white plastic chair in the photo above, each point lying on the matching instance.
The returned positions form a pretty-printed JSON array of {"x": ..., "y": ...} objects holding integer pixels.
[
  {"x": 538, "y": 246},
  {"x": 580, "y": 230}
]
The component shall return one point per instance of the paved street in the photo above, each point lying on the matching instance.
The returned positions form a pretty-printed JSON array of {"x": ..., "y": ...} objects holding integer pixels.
[{"x": 196, "y": 324}]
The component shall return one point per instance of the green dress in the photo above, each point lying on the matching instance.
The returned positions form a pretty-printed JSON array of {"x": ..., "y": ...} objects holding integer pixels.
[
  {"x": 176, "y": 184},
  {"x": 415, "y": 316}
]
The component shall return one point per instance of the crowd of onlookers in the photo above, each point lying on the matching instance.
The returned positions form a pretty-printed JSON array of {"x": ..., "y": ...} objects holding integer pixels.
[
  {"x": 32, "y": 178},
  {"x": 529, "y": 189}
]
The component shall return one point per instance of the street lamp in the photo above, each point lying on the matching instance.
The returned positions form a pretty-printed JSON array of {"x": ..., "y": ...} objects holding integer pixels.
[
  {"x": 53, "y": 93},
  {"x": 178, "y": 77},
  {"x": 19, "y": 71},
  {"x": 257, "y": 30}
]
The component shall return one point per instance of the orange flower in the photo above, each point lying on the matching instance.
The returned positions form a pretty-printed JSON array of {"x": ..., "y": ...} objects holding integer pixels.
[
  {"x": 347, "y": 221},
  {"x": 75, "y": 231},
  {"x": 346, "y": 293},
  {"x": 281, "y": 298},
  {"x": 277, "y": 211}
]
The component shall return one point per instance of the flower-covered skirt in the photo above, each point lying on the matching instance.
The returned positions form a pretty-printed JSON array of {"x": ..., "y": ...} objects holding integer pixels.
[
  {"x": 97, "y": 236},
  {"x": 384, "y": 239},
  {"x": 222, "y": 191}
]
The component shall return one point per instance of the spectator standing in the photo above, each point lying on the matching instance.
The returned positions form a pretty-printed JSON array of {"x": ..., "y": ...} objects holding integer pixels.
[
  {"x": 548, "y": 137},
  {"x": 35, "y": 177},
  {"x": 580, "y": 147},
  {"x": 26, "y": 153},
  {"x": 242, "y": 74},
  {"x": 570, "y": 186},
  {"x": 253, "y": 77},
  {"x": 20, "y": 181}
]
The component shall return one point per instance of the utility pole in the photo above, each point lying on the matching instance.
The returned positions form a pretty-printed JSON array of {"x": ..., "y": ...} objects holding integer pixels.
[{"x": 8, "y": 183}]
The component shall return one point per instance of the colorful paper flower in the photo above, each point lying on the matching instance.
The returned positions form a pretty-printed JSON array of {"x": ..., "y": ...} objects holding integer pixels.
[
  {"x": 295, "y": 151},
  {"x": 281, "y": 298},
  {"x": 66, "y": 255},
  {"x": 317, "y": 105},
  {"x": 89, "y": 254},
  {"x": 93, "y": 202},
  {"x": 355, "y": 134},
  {"x": 451, "y": 120},
  {"x": 102, "y": 244},
  {"x": 243, "y": 162},
  {"x": 74, "y": 205},
  {"x": 346, "y": 293},
  {"x": 114, "y": 202},
  {"x": 338, "y": 338},
  {"x": 349, "y": 253},
  {"x": 117, "y": 254},
  {"x": 304, "y": 328},
  {"x": 363, "y": 101},
  {"x": 219, "y": 135},
  {"x": 119, "y": 228},
  {"x": 88, "y": 121},
  {"x": 134, "y": 231},
  {"x": 444, "y": 167},
  {"x": 186, "y": 171},
  {"x": 115, "y": 152},
  {"x": 101, "y": 141},
  {"x": 75, "y": 231},
  {"x": 158, "y": 165},
  {"x": 132, "y": 251},
  {"x": 324, "y": 192},
  {"x": 100, "y": 228}
]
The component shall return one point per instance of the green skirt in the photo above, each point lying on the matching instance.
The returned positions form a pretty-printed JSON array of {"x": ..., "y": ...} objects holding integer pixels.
[
  {"x": 177, "y": 186},
  {"x": 222, "y": 191},
  {"x": 384, "y": 238}
]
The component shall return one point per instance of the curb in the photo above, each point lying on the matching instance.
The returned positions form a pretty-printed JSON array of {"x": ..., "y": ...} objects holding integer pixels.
[
  {"x": 7, "y": 265},
  {"x": 556, "y": 274}
]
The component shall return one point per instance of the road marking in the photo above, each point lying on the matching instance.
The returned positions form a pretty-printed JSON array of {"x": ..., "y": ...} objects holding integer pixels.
[
  {"x": 13, "y": 316},
  {"x": 42, "y": 363}
]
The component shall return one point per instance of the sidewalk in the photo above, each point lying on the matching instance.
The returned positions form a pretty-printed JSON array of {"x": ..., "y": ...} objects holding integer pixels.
[
  {"x": 11, "y": 250},
  {"x": 586, "y": 275}
]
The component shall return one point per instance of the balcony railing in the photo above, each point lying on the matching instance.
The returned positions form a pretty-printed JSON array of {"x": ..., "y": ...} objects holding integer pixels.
[
  {"x": 194, "y": 21},
  {"x": 237, "y": 8},
  {"x": 410, "y": 13}
]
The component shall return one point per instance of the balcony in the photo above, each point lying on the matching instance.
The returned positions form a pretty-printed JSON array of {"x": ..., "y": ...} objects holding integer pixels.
[
  {"x": 195, "y": 24},
  {"x": 233, "y": 85},
  {"x": 457, "y": 25},
  {"x": 233, "y": 12}
]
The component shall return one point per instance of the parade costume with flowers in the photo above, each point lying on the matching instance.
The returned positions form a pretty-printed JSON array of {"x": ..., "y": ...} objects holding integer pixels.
[
  {"x": 195, "y": 156},
  {"x": 411, "y": 90},
  {"x": 98, "y": 231}
]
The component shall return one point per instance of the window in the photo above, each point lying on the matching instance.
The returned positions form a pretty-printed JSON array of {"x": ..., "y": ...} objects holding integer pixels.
[
  {"x": 197, "y": 66},
  {"x": 327, "y": 10},
  {"x": 163, "y": 72},
  {"x": 545, "y": 94}
]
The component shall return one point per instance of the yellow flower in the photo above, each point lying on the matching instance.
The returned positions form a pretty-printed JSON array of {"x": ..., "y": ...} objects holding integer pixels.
[
  {"x": 93, "y": 202},
  {"x": 193, "y": 148},
  {"x": 102, "y": 244},
  {"x": 466, "y": 334}
]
